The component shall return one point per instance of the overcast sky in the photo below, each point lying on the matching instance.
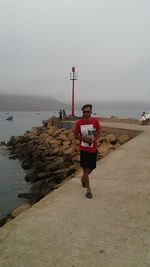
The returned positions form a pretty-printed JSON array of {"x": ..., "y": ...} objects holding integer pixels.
[{"x": 108, "y": 41}]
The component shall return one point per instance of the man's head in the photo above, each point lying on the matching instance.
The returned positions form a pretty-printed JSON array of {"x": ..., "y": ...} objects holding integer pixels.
[{"x": 87, "y": 111}]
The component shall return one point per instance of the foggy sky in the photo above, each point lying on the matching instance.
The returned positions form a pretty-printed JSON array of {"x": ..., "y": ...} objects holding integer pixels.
[{"x": 108, "y": 42}]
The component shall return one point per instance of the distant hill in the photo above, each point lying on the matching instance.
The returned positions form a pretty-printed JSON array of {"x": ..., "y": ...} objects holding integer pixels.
[{"x": 30, "y": 103}]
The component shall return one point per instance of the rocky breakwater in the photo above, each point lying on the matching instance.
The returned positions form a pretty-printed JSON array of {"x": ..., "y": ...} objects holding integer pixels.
[{"x": 50, "y": 156}]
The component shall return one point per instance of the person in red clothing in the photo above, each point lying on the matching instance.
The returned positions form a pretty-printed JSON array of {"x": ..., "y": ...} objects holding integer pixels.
[{"x": 86, "y": 131}]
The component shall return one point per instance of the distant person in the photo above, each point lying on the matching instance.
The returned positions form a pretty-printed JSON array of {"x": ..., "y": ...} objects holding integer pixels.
[
  {"x": 144, "y": 118},
  {"x": 60, "y": 114},
  {"x": 86, "y": 131},
  {"x": 143, "y": 114},
  {"x": 64, "y": 113},
  {"x": 10, "y": 118}
]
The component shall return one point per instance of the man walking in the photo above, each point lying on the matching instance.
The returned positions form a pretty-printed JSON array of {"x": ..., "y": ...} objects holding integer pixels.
[{"x": 86, "y": 132}]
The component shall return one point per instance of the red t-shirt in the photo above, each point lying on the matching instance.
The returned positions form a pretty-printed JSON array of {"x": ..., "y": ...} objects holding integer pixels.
[{"x": 84, "y": 127}]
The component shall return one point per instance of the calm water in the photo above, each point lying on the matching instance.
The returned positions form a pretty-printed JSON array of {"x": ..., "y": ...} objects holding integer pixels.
[{"x": 11, "y": 174}]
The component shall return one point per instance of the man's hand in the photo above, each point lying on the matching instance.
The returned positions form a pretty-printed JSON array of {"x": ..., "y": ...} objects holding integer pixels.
[
  {"x": 76, "y": 145},
  {"x": 88, "y": 138}
]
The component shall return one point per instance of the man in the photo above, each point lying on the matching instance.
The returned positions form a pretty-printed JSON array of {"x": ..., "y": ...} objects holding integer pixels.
[
  {"x": 60, "y": 114},
  {"x": 86, "y": 132}
]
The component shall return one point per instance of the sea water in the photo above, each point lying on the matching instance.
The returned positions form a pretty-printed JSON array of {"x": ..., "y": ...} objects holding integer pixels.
[{"x": 11, "y": 174}]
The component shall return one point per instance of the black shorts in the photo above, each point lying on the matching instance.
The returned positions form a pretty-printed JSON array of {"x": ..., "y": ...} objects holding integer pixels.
[{"x": 88, "y": 160}]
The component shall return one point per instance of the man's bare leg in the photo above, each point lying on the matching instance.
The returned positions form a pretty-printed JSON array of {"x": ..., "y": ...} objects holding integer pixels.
[
  {"x": 87, "y": 183},
  {"x": 83, "y": 180}
]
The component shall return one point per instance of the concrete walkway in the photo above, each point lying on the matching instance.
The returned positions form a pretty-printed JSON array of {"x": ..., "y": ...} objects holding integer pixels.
[{"x": 67, "y": 230}]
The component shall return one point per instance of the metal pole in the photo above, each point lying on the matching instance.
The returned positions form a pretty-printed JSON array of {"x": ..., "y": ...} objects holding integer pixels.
[
  {"x": 73, "y": 77},
  {"x": 73, "y": 95}
]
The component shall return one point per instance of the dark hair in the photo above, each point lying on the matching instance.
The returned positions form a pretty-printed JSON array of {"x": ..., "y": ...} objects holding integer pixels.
[{"x": 87, "y": 106}]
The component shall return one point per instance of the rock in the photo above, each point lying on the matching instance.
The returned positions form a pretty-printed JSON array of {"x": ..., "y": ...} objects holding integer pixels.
[
  {"x": 45, "y": 122},
  {"x": 111, "y": 138},
  {"x": 76, "y": 159},
  {"x": 104, "y": 149},
  {"x": 61, "y": 151},
  {"x": 55, "y": 165},
  {"x": 63, "y": 137},
  {"x": 32, "y": 197},
  {"x": 61, "y": 174},
  {"x": 33, "y": 177},
  {"x": 30, "y": 177},
  {"x": 13, "y": 156},
  {"x": 26, "y": 164},
  {"x": 36, "y": 155},
  {"x": 68, "y": 131},
  {"x": 50, "y": 130},
  {"x": 49, "y": 124},
  {"x": 47, "y": 187},
  {"x": 42, "y": 175},
  {"x": 56, "y": 133},
  {"x": 20, "y": 139},
  {"x": 20, "y": 209},
  {"x": 66, "y": 144},
  {"x": 123, "y": 139},
  {"x": 12, "y": 141},
  {"x": 34, "y": 130},
  {"x": 54, "y": 144},
  {"x": 20, "y": 149},
  {"x": 71, "y": 136},
  {"x": 5, "y": 219},
  {"x": 69, "y": 151},
  {"x": 3, "y": 143},
  {"x": 54, "y": 152}
]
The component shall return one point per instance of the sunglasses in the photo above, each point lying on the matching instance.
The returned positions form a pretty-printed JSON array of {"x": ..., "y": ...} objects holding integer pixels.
[{"x": 86, "y": 111}]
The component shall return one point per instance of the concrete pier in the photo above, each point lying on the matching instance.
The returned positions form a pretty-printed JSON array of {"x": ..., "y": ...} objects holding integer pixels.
[{"x": 68, "y": 230}]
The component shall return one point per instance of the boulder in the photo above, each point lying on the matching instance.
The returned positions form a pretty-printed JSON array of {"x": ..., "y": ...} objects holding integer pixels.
[
  {"x": 30, "y": 177},
  {"x": 26, "y": 164},
  {"x": 61, "y": 174},
  {"x": 13, "y": 156},
  {"x": 20, "y": 139},
  {"x": 45, "y": 122},
  {"x": 47, "y": 187},
  {"x": 56, "y": 133},
  {"x": 54, "y": 144},
  {"x": 42, "y": 175},
  {"x": 49, "y": 124},
  {"x": 69, "y": 151},
  {"x": 36, "y": 155},
  {"x": 63, "y": 137},
  {"x": 123, "y": 139},
  {"x": 66, "y": 144},
  {"x": 58, "y": 163},
  {"x": 54, "y": 152},
  {"x": 111, "y": 138},
  {"x": 12, "y": 141},
  {"x": 32, "y": 197},
  {"x": 104, "y": 149},
  {"x": 3, "y": 143},
  {"x": 20, "y": 209}
]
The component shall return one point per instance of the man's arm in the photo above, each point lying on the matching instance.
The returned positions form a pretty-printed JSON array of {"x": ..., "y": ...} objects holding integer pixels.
[
  {"x": 76, "y": 131},
  {"x": 77, "y": 136},
  {"x": 98, "y": 128}
]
